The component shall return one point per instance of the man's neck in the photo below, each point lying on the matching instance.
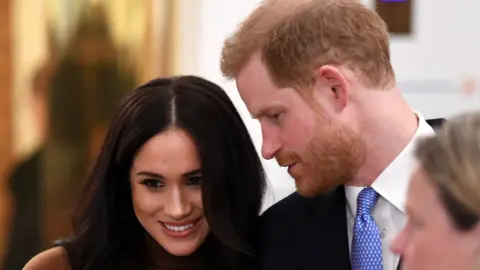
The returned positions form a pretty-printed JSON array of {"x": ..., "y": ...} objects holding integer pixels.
[{"x": 386, "y": 131}]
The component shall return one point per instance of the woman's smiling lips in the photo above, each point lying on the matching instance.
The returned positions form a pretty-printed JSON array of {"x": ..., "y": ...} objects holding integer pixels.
[{"x": 180, "y": 229}]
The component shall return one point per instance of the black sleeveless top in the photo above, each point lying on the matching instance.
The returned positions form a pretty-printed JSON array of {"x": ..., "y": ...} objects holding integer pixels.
[{"x": 157, "y": 258}]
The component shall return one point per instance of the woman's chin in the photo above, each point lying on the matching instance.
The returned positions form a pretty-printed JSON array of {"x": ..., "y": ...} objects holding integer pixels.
[{"x": 181, "y": 249}]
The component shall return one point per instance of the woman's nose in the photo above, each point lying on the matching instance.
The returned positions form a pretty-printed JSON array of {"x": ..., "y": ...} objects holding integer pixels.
[{"x": 177, "y": 206}]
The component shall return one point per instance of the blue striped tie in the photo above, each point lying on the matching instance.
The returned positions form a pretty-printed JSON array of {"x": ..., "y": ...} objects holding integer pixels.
[{"x": 366, "y": 244}]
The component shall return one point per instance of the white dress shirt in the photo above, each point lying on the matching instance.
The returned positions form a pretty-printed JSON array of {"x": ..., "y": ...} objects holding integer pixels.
[{"x": 391, "y": 185}]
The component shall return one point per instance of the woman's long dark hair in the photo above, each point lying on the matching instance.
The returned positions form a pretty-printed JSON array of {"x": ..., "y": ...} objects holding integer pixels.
[{"x": 107, "y": 233}]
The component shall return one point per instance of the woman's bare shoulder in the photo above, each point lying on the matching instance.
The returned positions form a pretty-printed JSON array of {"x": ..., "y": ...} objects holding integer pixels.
[{"x": 52, "y": 259}]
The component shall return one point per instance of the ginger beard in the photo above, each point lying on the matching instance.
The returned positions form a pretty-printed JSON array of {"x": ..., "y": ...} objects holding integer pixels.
[{"x": 330, "y": 159}]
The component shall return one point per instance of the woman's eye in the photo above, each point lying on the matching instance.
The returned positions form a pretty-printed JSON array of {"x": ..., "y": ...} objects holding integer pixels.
[
  {"x": 194, "y": 181},
  {"x": 153, "y": 183},
  {"x": 414, "y": 223}
]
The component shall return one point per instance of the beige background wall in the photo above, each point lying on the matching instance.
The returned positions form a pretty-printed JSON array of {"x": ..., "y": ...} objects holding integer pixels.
[
  {"x": 29, "y": 28},
  {"x": 5, "y": 115}
]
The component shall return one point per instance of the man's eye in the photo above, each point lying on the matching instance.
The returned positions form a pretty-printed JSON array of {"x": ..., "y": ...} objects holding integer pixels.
[
  {"x": 152, "y": 183},
  {"x": 275, "y": 117}
]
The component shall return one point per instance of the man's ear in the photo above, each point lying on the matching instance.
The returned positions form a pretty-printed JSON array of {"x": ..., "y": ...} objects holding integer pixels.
[{"x": 332, "y": 85}]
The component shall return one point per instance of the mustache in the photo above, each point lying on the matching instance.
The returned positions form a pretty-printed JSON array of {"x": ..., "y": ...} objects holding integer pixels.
[{"x": 286, "y": 158}]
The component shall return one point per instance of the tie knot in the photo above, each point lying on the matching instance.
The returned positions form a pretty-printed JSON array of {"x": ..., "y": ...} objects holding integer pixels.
[{"x": 366, "y": 201}]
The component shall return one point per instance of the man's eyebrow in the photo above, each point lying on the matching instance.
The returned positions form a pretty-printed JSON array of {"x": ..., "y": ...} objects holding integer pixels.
[
  {"x": 259, "y": 113},
  {"x": 265, "y": 110}
]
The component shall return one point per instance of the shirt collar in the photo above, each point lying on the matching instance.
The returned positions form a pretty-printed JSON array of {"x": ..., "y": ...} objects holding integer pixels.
[{"x": 392, "y": 183}]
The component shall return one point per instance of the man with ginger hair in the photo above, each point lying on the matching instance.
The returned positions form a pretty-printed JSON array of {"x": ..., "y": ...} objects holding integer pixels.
[{"x": 317, "y": 75}]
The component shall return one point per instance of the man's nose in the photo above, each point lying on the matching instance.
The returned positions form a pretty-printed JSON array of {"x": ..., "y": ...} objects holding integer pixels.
[{"x": 270, "y": 145}]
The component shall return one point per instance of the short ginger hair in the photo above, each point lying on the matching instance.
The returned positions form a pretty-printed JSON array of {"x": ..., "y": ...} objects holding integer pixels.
[{"x": 294, "y": 37}]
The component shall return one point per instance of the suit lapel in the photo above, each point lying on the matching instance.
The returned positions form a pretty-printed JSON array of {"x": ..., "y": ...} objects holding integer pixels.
[{"x": 323, "y": 236}]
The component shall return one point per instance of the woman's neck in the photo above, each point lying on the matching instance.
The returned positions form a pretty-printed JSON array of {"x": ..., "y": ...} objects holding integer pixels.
[{"x": 158, "y": 257}]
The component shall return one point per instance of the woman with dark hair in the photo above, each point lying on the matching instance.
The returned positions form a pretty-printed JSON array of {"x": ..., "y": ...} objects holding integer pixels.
[{"x": 178, "y": 184}]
